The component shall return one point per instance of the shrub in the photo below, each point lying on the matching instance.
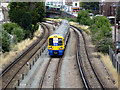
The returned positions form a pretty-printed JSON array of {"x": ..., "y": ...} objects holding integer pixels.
[
  {"x": 83, "y": 17},
  {"x": 18, "y": 33},
  {"x": 101, "y": 33},
  {"x": 9, "y": 27},
  {"x": 103, "y": 45},
  {"x": 73, "y": 19},
  {"x": 5, "y": 37}
]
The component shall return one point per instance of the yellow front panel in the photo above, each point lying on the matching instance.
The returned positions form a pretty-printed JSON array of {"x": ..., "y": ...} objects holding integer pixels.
[{"x": 56, "y": 47}]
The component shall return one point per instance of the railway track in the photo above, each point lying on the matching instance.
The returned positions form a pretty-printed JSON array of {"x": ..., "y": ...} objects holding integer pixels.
[
  {"x": 57, "y": 71},
  {"x": 79, "y": 60},
  {"x": 11, "y": 71},
  {"x": 59, "y": 63}
]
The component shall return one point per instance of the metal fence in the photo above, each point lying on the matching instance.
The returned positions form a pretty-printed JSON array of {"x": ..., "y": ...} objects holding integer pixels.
[{"x": 115, "y": 59}]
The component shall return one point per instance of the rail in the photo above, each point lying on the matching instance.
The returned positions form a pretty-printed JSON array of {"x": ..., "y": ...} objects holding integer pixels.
[
  {"x": 100, "y": 82},
  {"x": 21, "y": 56}
]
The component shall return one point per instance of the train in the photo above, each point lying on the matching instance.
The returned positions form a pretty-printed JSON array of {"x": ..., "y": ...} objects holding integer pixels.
[{"x": 58, "y": 40}]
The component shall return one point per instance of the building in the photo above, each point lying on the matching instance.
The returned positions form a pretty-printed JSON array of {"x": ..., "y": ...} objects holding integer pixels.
[
  {"x": 4, "y": 11},
  {"x": 108, "y": 8}
]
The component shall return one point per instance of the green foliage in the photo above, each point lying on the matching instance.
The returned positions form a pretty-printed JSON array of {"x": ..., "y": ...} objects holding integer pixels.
[
  {"x": 83, "y": 17},
  {"x": 18, "y": 33},
  {"x": 73, "y": 19},
  {"x": 15, "y": 15},
  {"x": 26, "y": 21},
  {"x": 36, "y": 26},
  {"x": 27, "y": 33},
  {"x": 100, "y": 21},
  {"x": 103, "y": 44},
  {"x": 5, "y": 40},
  {"x": 101, "y": 33},
  {"x": 9, "y": 27},
  {"x": 38, "y": 13},
  {"x": 90, "y": 11},
  {"x": 27, "y": 13},
  {"x": 90, "y": 5}
]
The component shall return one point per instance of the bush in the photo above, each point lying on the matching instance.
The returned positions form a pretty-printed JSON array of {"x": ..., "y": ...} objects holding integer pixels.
[
  {"x": 90, "y": 11},
  {"x": 101, "y": 33},
  {"x": 83, "y": 17},
  {"x": 5, "y": 37},
  {"x": 27, "y": 33},
  {"x": 103, "y": 45},
  {"x": 73, "y": 19},
  {"x": 100, "y": 21},
  {"x": 18, "y": 33},
  {"x": 9, "y": 27}
]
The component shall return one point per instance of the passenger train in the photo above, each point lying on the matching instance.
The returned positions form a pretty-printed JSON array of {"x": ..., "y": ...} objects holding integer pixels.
[{"x": 57, "y": 41}]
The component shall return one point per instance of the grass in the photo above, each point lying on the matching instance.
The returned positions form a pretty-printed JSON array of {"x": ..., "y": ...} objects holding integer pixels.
[
  {"x": 83, "y": 27},
  {"x": 7, "y": 57},
  {"x": 113, "y": 71}
]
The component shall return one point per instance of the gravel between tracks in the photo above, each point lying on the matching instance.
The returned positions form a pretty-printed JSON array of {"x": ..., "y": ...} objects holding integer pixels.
[
  {"x": 98, "y": 65},
  {"x": 69, "y": 75},
  {"x": 87, "y": 68},
  {"x": 35, "y": 74}
]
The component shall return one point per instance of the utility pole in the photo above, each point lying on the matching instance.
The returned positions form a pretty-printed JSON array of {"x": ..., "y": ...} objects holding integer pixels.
[{"x": 115, "y": 32}]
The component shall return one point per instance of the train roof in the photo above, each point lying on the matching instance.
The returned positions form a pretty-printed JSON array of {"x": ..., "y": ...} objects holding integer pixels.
[{"x": 55, "y": 36}]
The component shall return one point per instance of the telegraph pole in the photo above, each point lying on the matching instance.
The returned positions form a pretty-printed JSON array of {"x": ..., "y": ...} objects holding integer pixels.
[{"x": 115, "y": 32}]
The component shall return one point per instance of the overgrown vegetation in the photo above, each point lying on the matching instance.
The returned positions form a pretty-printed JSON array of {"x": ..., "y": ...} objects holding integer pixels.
[
  {"x": 10, "y": 26},
  {"x": 5, "y": 37},
  {"x": 83, "y": 17},
  {"x": 100, "y": 30},
  {"x": 101, "y": 33},
  {"x": 27, "y": 14},
  {"x": 24, "y": 17},
  {"x": 18, "y": 34},
  {"x": 92, "y": 7}
]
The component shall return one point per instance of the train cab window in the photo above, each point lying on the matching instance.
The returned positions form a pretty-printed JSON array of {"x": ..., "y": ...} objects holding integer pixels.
[
  {"x": 60, "y": 42},
  {"x": 51, "y": 41}
]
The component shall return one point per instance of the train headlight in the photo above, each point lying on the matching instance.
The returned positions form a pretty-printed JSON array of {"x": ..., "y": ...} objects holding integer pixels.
[
  {"x": 50, "y": 48},
  {"x": 60, "y": 48}
]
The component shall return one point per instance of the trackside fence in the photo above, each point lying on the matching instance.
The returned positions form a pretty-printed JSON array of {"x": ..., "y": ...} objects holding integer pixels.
[{"x": 115, "y": 60}]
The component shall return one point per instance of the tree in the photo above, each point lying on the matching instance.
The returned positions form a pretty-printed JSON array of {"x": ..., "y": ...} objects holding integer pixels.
[
  {"x": 83, "y": 17},
  {"x": 17, "y": 10},
  {"x": 18, "y": 33},
  {"x": 9, "y": 27},
  {"x": 5, "y": 37},
  {"x": 38, "y": 12},
  {"x": 26, "y": 21},
  {"x": 90, "y": 5},
  {"x": 27, "y": 13},
  {"x": 101, "y": 33}
]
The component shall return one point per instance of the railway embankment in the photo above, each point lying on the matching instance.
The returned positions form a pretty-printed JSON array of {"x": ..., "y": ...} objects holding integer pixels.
[
  {"x": 19, "y": 48},
  {"x": 101, "y": 61}
]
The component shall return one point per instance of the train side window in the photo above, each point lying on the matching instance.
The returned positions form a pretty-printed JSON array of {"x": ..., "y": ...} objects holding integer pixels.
[
  {"x": 60, "y": 42},
  {"x": 51, "y": 41}
]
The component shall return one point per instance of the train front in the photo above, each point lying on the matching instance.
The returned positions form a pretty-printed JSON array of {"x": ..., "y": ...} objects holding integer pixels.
[{"x": 55, "y": 45}]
